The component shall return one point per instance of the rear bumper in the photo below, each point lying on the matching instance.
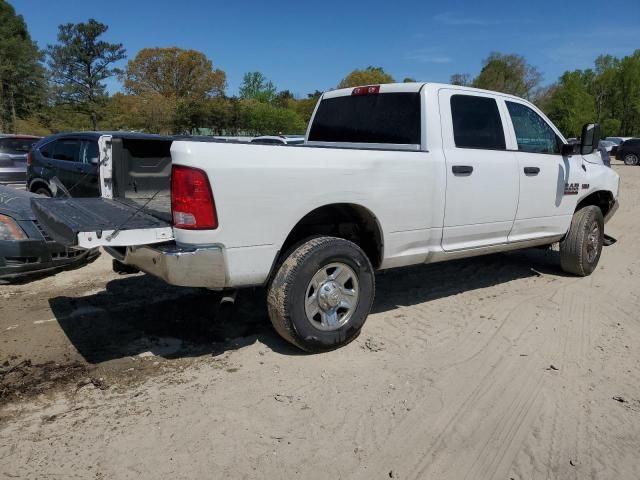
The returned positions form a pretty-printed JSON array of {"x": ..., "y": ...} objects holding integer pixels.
[{"x": 184, "y": 267}]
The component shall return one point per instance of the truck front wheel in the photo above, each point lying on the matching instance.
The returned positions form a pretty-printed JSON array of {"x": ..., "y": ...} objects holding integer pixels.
[
  {"x": 321, "y": 294},
  {"x": 581, "y": 248}
]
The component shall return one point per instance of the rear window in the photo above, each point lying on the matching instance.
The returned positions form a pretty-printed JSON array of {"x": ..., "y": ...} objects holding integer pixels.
[
  {"x": 16, "y": 145},
  {"x": 392, "y": 118},
  {"x": 476, "y": 122}
]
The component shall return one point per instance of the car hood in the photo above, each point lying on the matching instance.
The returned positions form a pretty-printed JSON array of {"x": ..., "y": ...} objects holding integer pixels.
[{"x": 16, "y": 203}]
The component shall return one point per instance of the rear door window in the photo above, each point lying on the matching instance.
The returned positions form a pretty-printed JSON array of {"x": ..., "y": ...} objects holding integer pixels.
[
  {"x": 386, "y": 118},
  {"x": 47, "y": 150},
  {"x": 67, "y": 149},
  {"x": 477, "y": 123},
  {"x": 533, "y": 133}
]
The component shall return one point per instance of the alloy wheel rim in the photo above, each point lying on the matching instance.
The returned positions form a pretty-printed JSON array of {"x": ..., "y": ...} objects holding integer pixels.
[
  {"x": 332, "y": 296},
  {"x": 593, "y": 241}
]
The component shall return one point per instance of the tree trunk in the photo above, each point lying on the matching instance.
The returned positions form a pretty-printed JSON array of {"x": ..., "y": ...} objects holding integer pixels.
[
  {"x": 2, "y": 105},
  {"x": 14, "y": 125},
  {"x": 94, "y": 121}
]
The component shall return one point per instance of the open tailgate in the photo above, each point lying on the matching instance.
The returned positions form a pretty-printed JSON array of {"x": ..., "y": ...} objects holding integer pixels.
[{"x": 96, "y": 222}]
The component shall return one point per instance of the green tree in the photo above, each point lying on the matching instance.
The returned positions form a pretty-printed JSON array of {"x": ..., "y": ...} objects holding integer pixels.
[
  {"x": 173, "y": 73},
  {"x": 508, "y": 73},
  {"x": 602, "y": 85},
  {"x": 463, "y": 79},
  {"x": 79, "y": 63},
  {"x": 174, "y": 86},
  {"x": 255, "y": 86},
  {"x": 22, "y": 84},
  {"x": 571, "y": 105},
  {"x": 368, "y": 76},
  {"x": 628, "y": 92},
  {"x": 260, "y": 118}
]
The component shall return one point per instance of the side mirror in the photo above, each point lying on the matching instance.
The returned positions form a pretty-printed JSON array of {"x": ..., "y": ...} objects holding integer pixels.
[
  {"x": 568, "y": 149},
  {"x": 590, "y": 138},
  {"x": 94, "y": 161}
]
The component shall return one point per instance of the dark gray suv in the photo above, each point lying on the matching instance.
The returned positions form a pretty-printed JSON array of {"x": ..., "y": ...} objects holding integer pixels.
[
  {"x": 13, "y": 158},
  {"x": 70, "y": 157}
]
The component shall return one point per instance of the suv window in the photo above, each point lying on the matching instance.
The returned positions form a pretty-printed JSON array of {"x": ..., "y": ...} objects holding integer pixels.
[
  {"x": 16, "y": 146},
  {"x": 66, "y": 150},
  {"x": 476, "y": 122},
  {"x": 392, "y": 118},
  {"x": 533, "y": 133},
  {"x": 47, "y": 150}
]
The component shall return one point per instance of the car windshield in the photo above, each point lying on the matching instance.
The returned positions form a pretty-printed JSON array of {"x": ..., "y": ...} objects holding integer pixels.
[{"x": 16, "y": 145}]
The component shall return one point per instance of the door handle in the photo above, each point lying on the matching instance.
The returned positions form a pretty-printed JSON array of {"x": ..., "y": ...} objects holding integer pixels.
[
  {"x": 462, "y": 169},
  {"x": 531, "y": 170}
]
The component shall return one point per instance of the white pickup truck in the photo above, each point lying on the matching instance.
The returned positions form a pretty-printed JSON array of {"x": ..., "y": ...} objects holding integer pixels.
[{"x": 389, "y": 176}]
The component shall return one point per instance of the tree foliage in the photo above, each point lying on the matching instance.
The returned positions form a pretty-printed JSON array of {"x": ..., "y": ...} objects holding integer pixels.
[
  {"x": 508, "y": 73},
  {"x": 169, "y": 89},
  {"x": 571, "y": 106},
  {"x": 22, "y": 85},
  {"x": 255, "y": 86},
  {"x": 173, "y": 73},
  {"x": 609, "y": 93},
  {"x": 368, "y": 76},
  {"x": 79, "y": 63},
  {"x": 463, "y": 79}
]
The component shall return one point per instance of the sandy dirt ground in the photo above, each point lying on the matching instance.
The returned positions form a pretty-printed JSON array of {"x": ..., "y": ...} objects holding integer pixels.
[{"x": 498, "y": 367}]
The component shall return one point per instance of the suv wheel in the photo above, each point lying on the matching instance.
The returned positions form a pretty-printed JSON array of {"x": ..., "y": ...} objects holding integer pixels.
[
  {"x": 321, "y": 295},
  {"x": 581, "y": 248},
  {"x": 631, "y": 159},
  {"x": 44, "y": 191}
]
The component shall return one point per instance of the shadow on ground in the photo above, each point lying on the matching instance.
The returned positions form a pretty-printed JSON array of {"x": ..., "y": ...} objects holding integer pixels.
[{"x": 142, "y": 315}]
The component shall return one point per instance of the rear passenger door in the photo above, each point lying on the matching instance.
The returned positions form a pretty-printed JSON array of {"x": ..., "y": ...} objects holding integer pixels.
[
  {"x": 66, "y": 155},
  {"x": 482, "y": 175},
  {"x": 544, "y": 209},
  {"x": 75, "y": 171}
]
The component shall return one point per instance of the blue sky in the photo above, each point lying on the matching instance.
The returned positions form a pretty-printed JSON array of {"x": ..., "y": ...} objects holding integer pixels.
[{"x": 303, "y": 46}]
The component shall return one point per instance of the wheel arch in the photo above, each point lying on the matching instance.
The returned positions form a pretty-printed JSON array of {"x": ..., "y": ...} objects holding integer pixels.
[
  {"x": 349, "y": 221},
  {"x": 38, "y": 182},
  {"x": 603, "y": 199}
]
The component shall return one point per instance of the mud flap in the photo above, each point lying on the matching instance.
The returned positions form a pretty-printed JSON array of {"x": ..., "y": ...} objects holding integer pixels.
[{"x": 98, "y": 222}]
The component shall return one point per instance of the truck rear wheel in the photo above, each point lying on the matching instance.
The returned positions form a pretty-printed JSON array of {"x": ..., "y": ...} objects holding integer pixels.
[
  {"x": 321, "y": 294},
  {"x": 581, "y": 248}
]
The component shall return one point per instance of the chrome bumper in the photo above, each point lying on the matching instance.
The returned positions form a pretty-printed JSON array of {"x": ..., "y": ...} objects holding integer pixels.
[{"x": 195, "y": 267}]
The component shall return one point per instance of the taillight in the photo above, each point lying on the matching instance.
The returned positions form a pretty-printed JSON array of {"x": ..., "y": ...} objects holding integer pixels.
[
  {"x": 192, "y": 204},
  {"x": 368, "y": 90},
  {"x": 29, "y": 159}
]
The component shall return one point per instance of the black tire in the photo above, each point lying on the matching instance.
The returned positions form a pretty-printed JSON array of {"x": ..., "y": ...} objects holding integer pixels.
[
  {"x": 581, "y": 248},
  {"x": 44, "y": 191},
  {"x": 288, "y": 290},
  {"x": 631, "y": 159}
]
